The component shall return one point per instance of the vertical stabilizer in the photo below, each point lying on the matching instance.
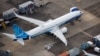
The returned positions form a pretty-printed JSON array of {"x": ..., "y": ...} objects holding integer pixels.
[{"x": 19, "y": 33}]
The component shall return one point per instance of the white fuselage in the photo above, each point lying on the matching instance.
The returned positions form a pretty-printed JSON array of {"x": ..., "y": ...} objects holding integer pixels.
[{"x": 48, "y": 26}]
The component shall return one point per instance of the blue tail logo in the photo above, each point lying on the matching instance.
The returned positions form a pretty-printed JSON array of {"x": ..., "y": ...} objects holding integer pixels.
[{"x": 19, "y": 33}]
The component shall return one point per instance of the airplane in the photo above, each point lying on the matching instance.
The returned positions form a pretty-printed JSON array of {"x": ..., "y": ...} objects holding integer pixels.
[
  {"x": 50, "y": 26},
  {"x": 88, "y": 54}
]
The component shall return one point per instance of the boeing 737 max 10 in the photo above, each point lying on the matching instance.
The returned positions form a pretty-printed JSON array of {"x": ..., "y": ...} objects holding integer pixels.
[{"x": 51, "y": 26}]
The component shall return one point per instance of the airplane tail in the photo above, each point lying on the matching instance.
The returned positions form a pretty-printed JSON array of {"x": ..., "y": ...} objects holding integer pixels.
[
  {"x": 12, "y": 36},
  {"x": 19, "y": 34}
]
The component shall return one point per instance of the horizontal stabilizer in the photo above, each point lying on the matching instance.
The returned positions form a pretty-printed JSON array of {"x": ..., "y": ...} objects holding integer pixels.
[
  {"x": 21, "y": 41},
  {"x": 9, "y": 35}
]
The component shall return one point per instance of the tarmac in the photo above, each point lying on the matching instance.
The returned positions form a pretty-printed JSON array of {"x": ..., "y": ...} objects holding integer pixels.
[{"x": 83, "y": 30}]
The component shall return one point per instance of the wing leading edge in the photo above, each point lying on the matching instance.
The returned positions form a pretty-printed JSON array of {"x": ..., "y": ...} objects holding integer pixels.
[{"x": 31, "y": 20}]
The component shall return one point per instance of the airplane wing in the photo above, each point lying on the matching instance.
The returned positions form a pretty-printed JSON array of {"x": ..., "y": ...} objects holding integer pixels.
[
  {"x": 56, "y": 31},
  {"x": 31, "y": 20}
]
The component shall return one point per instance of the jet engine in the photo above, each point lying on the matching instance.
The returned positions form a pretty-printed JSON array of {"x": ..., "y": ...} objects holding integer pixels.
[{"x": 64, "y": 30}]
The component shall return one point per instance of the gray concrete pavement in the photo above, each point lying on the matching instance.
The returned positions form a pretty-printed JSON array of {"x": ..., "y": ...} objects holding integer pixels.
[{"x": 35, "y": 47}]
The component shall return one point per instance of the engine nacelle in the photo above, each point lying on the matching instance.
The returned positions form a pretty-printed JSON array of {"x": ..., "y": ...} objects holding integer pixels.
[{"x": 64, "y": 30}]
